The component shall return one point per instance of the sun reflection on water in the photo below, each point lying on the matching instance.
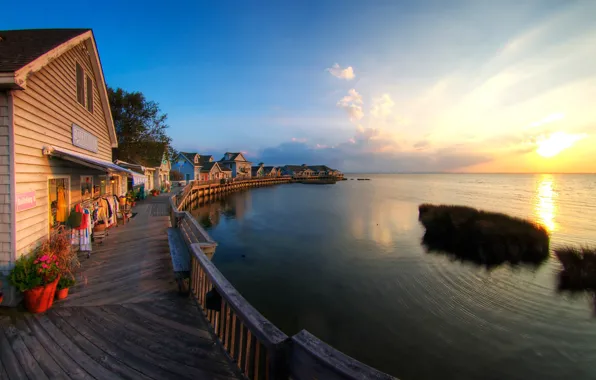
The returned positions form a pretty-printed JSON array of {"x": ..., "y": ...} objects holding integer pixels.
[{"x": 545, "y": 206}]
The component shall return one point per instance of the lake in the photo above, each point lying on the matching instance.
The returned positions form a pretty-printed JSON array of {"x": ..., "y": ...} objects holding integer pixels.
[{"x": 345, "y": 262}]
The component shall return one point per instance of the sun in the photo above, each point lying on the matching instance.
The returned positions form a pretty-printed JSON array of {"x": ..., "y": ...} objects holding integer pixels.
[{"x": 556, "y": 143}]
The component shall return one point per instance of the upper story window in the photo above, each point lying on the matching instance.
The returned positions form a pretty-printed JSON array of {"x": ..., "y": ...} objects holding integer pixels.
[
  {"x": 84, "y": 88},
  {"x": 89, "y": 94},
  {"x": 196, "y": 159},
  {"x": 80, "y": 85}
]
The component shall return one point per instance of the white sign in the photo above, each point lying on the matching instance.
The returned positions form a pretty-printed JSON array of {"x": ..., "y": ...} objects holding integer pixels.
[{"x": 83, "y": 139}]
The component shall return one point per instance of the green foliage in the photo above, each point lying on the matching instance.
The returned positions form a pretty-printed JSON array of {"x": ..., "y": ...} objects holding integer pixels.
[
  {"x": 24, "y": 275},
  {"x": 66, "y": 282},
  {"x": 140, "y": 127}
]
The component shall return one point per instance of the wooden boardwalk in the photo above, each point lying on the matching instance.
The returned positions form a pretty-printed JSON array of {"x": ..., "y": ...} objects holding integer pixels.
[{"x": 124, "y": 319}]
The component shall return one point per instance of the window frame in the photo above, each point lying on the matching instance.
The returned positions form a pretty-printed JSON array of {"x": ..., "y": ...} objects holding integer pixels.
[
  {"x": 89, "y": 93},
  {"x": 80, "y": 87},
  {"x": 49, "y": 204},
  {"x": 91, "y": 196}
]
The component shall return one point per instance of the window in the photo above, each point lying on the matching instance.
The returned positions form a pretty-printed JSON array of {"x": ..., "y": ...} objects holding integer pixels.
[
  {"x": 86, "y": 187},
  {"x": 89, "y": 94},
  {"x": 102, "y": 185},
  {"x": 80, "y": 85},
  {"x": 196, "y": 159},
  {"x": 59, "y": 201}
]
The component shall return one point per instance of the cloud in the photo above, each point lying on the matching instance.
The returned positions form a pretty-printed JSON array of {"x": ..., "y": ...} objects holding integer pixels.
[
  {"x": 338, "y": 72},
  {"x": 422, "y": 144},
  {"x": 298, "y": 139},
  {"x": 557, "y": 142},
  {"x": 382, "y": 106},
  {"x": 352, "y": 104}
]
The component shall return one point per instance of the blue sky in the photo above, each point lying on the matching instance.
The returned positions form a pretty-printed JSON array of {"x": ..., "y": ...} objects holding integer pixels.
[{"x": 420, "y": 85}]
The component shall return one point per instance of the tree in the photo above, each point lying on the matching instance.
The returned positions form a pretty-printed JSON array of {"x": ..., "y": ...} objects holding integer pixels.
[
  {"x": 175, "y": 175},
  {"x": 140, "y": 128}
]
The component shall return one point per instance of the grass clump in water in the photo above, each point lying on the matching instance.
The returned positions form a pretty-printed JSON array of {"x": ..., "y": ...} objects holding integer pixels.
[
  {"x": 579, "y": 268},
  {"x": 486, "y": 238}
]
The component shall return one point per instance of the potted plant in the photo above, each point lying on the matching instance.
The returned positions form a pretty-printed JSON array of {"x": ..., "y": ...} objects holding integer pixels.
[
  {"x": 1, "y": 293},
  {"x": 36, "y": 276},
  {"x": 65, "y": 283}
]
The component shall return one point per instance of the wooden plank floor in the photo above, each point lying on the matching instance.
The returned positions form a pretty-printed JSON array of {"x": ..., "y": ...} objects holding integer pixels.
[{"x": 124, "y": 319}]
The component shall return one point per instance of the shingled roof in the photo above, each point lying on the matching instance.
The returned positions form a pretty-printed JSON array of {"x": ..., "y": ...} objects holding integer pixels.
[
  {"x": 21, "y": 47},
  {"x": 190, "y": 156},
  {"x": 205, "y": 159},
  {"x": 207, "y": 167}
]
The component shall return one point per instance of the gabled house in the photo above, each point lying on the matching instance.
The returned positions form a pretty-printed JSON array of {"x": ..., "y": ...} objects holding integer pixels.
[
  {"x": 258, "y": 171},
  {"x": 271, "y": 171},
  {"x": 321, "y": 170},
  {"x": 238, "y": 164},
  {"x": 212, "y": 171},
  {"x": 298, "y": 171},
  {"x": 161, "y": 170},
  {"x": 189, "y": 165},
  {"x": 57, "y": 136}
]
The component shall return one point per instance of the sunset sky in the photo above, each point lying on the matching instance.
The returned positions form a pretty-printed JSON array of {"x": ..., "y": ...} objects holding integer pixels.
[{"x": 375, "y": 86}]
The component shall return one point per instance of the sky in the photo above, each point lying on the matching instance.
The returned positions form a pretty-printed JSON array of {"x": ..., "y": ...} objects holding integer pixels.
[{"x": 362, "y": 86}]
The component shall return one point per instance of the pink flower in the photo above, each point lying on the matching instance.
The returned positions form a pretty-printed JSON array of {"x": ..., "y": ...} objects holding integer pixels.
[
  {"x": 44, "y": 265},
  {"x": 44, "y": 258},
  {"x": 36, "y": 262}
]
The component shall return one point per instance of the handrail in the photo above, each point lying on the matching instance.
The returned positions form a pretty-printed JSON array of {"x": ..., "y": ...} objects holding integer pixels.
[
  {"x": 310, "y": 356},
  {"x": 256, "y": 344},
  {"x": 258, "y": 347}
]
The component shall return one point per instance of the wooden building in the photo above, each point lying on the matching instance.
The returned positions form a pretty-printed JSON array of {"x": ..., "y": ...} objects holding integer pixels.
[
  {"x": 238, "y": 164},
  {"x": 56, "y": 135}
]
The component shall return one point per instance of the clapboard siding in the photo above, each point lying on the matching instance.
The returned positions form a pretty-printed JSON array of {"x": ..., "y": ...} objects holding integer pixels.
[
  {"x": 5, "y": 184},
  {"x": 43, "y": 115}
]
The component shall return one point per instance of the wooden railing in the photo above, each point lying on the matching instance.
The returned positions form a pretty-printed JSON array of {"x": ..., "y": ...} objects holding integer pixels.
[{"x": 257, "y": 346}]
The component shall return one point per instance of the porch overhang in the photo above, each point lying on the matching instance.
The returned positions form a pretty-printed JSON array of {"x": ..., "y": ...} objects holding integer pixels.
[{"x": 82, "y": 159}]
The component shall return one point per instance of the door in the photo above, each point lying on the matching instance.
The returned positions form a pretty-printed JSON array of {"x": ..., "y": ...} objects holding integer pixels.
[{"x": 187, "y": 177}]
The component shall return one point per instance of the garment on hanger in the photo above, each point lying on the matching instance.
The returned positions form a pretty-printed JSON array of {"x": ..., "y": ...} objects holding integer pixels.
[{"x": 62, "y": 207}]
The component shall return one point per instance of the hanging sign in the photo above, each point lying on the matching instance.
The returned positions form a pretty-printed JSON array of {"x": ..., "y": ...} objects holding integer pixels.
[
  {"x": 25, "y": 201},
  {"x": 83, "y": 139}
]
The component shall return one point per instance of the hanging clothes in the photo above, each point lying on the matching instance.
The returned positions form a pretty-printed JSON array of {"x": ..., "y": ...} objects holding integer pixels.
[
  {"x": 85, "y": 234},
  {"x": 62, "y": 207},
  {"x": 103, "y": 211}
]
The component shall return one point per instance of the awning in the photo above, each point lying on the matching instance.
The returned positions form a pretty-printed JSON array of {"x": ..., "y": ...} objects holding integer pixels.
[
  {"x": 85, "y": 160},
  {"x": 138, "y": 179}
]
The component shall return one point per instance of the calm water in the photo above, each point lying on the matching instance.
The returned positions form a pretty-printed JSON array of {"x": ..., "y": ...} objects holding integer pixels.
[{"x": 345, "y": 262}]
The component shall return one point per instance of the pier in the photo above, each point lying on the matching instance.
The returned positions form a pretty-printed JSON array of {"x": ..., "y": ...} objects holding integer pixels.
[{"x": 126, "y": 317}]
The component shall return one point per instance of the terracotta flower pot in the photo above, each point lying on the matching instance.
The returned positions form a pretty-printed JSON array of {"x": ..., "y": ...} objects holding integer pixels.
[
  {"x": 40, "y": 299},
  {"x": 62, "y": 293}
]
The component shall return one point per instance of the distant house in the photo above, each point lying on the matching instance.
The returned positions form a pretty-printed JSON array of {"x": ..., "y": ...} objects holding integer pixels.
[
  {"x": 298, "y": 171},
  {"x": 226, "y": 172},
  {"x": 161, "y": 170},
  {"x": 258, "y": 171},
  {"x": 212, "y": 171},
  {"x": 188, "y": 163},
  {"x": 148, "y": 174},
  {"x": 238, "y": 164},
  {"x": 271, "y": 171},
  {"x": 321, "y": 170}
]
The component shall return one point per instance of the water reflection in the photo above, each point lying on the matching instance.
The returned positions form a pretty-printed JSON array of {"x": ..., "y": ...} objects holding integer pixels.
[
  {"x": 209, "y": 210},
  {"x": 545, "y": 206}
]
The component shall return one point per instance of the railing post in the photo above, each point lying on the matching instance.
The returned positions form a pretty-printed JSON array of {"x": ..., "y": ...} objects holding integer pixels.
[{"x": 277, "y": 361}]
